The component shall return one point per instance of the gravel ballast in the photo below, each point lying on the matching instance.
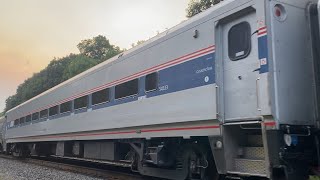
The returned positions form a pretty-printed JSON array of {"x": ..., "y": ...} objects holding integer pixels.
[{"x": 11, "y": 169}]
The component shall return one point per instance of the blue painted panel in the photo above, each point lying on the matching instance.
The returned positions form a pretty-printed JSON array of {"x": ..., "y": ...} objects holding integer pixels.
[
  {"x": 60, "y": 115},
  {"x": 191, "y": 74},
  {"x": 77, "y": 111},
  {"x": 263, "y": 54},
  {"x": 54, "y": 117},
  {"x": 116, "y": 102}
]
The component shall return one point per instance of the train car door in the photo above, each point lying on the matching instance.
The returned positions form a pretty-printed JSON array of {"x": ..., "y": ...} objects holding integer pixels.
[{"x": 240, "y": 69}]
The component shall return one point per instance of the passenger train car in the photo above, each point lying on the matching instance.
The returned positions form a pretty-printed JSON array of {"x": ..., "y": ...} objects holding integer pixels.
[
  {"x": 2, "y": 120},
  {"x": 232, "y": 92}
]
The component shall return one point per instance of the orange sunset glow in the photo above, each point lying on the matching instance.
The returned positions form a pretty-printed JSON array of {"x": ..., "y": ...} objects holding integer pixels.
[{"x": 34, "y": 32}]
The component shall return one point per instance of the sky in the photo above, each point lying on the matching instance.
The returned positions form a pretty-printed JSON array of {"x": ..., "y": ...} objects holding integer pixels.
[{"x": 33, "y": 32}]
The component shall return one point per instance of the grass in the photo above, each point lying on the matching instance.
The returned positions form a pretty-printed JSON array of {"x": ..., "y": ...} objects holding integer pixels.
[{"x": 314, "y": 177}]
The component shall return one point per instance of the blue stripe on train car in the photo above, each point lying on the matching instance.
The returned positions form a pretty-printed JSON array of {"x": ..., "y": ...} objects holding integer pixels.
[
  {"x": 194, "y": 73},
  {"x": 263, "y": 54},
  {"x": 191, "y": 74}
]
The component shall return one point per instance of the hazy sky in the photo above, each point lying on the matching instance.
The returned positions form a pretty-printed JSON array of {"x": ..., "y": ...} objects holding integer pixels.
[{"x": 33, "y": 32}]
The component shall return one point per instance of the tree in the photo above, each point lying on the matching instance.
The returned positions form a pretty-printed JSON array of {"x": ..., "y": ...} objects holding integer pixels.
[
  {"x": 92, "y": 52},
  {"x": 98, "y": 48},
  {"x": 11, "y": 102},
  {"x": 78, "y": 64},
  {"x": 198, "y": 6},
  {"x": 138, "y": 43}
]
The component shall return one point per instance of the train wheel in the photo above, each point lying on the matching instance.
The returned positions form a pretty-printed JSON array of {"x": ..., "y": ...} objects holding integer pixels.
[
  {"x": 19, "y": 150},
  {"x": 200, "y": 164}
]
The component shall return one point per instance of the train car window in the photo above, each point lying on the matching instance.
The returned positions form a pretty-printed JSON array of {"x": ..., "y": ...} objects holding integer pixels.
[
  {"x": 53, "y": 111},
  {"x": 65, "y": 107},
  {"x": 151, "y": 82},
  {"x": 81, "y": 102},
  {"x": 28, "y": 118},
  {"x": 35, "y": 116},
  {"x": 10, "y": 124},
  {"x": 101, "y": 96},
  {"x": 239, "y": 41},
  {"x": 126, "y": 89},
  {"x": 22, "y": 120},
  {"x": 44, "y": 113},
  {"x": 16, "y": 122}
]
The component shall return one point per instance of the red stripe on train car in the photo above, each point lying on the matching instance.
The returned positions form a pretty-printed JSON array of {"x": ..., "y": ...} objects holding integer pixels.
[
  {"x": 270, "y": 123},
  {"x": 144, "y": 72},
  {"x": 262, "y": 28},
  {"x": 124, "y": 132}
]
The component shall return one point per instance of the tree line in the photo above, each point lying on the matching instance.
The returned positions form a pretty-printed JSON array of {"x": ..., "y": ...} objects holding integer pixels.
[{"x": 91, "y": 52}]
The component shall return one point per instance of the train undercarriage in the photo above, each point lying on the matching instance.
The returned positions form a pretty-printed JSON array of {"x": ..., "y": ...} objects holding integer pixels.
[
  {"x": 169, "y": 158},
  {"x": 245, "y": 151}
]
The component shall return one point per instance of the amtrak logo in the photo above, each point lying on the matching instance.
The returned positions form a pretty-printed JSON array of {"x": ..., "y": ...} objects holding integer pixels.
[{"x": 206, "y": 79}]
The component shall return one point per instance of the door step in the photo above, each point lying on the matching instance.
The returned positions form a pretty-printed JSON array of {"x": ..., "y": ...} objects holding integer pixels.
[
  {"x": 253, "y": 153},
  {"x": 233, "y": 178},
  {"x": 249, "y": 166},
  {"x": 255, "y": 140},
  {"x": 247, "y": 156},
  {"x": 245, "y": 174}
]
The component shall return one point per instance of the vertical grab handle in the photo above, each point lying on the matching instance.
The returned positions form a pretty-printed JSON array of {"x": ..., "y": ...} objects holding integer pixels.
[
  {"x": 217, "y": 100},
  {"x": 258, "y": 94}
]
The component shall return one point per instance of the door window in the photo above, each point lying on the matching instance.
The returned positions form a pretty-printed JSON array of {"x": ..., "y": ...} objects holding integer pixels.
[{"x": 239, "y": 41}]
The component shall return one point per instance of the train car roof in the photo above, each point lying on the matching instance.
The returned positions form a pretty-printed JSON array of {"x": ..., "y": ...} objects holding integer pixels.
[{"x": 176, "y": 30}]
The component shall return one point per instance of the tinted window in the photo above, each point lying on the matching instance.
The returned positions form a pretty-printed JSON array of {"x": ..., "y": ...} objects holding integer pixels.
[
  {"x": 65, "y": 107},
  {"x": 44, "y": 113},
  {"x": 126, "y": 89},
  {"x": 28, "y": 118},
  {"x": 81, "y": 102},
  {"x": 53, "y": 111},
  {"x": 35, "y": 116},
  {"x": 151, "y": 81},
  {"x": 16, "y": 122},
  {"x": 239, "y": 41},
  {"x": 22, "y": 120},
  {"x": 100, "y": 97}
]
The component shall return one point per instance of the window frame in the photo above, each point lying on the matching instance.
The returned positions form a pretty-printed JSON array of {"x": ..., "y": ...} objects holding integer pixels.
[
  {"x": 11, "y": 124},
  {"x": 38, "y": 117},
  {"x": 247, "y": 53},
  {"x": 27, "y": 118},
  {"x": 85, "y": 107},
  {"x": 70, "y": 103},
  {"x": 18, "y": 122},
  {"x": 107, "y": 94},
  {"x": 157, "y": 82},
  {"x": 132, "y": 95},
  {"x": 23, "y": 119},
  {"x": 46, "y": 116},
  {"x": 49, "y": 113}
]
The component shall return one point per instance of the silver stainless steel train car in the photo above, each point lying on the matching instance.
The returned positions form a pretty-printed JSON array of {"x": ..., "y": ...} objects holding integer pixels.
[{"x": 231, "y": 92}]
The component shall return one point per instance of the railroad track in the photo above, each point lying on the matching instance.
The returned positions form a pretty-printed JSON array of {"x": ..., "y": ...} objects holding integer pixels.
[{"x": 93, "y": 169}]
